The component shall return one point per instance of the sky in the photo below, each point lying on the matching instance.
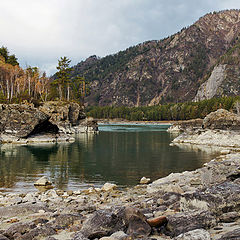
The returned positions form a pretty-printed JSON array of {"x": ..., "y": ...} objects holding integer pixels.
[{"x": 39, "y": 32}]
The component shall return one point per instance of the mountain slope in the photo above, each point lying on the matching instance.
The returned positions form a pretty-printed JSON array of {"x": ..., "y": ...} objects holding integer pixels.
[{"x": 169, "y": 70}]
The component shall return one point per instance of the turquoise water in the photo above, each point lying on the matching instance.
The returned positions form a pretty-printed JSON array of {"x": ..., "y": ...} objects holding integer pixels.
[{"x": 120, "y": 154}]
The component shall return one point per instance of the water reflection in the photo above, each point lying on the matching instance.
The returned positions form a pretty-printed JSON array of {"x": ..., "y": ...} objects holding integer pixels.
[
  {"x": 213, "y": 150},
  {"x": 118, "y": 156}
]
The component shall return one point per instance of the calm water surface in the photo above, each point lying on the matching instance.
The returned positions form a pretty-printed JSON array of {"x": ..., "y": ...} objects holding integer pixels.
[{"x": 121, "y": 154}]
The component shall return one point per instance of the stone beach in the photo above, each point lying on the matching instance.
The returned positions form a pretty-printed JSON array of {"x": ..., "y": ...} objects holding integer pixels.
[{"x": 203, "y": 203}]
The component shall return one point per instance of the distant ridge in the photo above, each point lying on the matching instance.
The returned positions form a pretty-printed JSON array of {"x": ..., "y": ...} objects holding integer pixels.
[{"x": 195, "y": 63}]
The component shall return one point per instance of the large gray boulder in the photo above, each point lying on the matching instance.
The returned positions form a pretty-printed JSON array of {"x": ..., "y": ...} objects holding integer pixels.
[
  {"x": 106, "y": 222},
  {"x": 222, "y": 119}
]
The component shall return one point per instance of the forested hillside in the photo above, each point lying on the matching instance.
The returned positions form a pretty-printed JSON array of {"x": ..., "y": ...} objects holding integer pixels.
[
  {"x": 177, "y": 111},
  {"x": 169, "y": 70}
]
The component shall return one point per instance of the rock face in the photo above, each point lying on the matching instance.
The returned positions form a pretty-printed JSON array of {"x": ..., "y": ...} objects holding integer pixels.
[
  {"x": 202, "y": 58},
  {"x": 220, "y": 128},
  {"x": 20, "y": 120},
  {"x": 210, "y": 88},
  {"x": 222, "y": 119},
  {"x": 53, "y": 121},
  {"x": 64, "y": 115}
]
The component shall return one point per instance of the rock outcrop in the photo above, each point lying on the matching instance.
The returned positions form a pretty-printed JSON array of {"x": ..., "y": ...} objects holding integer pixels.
[
  {"x": 20, "y": 120},
  {"x": 220, "y": 128},
  {"x": 181, "y": 126},
  {"x": 210, "y": 88},
  {"x": 51, "y": 122},
  {"x": 223, "y": 120}
]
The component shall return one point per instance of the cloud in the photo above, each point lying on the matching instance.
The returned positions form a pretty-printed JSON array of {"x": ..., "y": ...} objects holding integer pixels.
[{"x": 40, "y": 32}]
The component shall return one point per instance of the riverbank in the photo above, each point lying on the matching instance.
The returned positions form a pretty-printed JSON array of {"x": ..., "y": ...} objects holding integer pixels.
[
  {"x": 53, "y": 121},
  {"x": 204, "y": 202},
  {"x": 220, "y": 129}
]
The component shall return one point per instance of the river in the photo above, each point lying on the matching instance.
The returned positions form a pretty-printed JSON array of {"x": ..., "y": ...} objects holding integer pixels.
[{"x": 120, "y": 154}]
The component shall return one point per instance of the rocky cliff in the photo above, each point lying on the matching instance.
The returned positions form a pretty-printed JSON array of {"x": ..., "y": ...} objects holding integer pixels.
[
  {"x": 51, "y": 122},
  {"x": 198, "y": 62}
]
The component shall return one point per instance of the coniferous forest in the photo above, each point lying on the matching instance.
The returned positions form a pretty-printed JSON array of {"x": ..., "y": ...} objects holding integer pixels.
[{"x": 172, "y": 111}]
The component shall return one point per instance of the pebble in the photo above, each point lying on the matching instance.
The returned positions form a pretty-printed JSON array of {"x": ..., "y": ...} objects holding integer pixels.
[{"x": 145, "y": 180}]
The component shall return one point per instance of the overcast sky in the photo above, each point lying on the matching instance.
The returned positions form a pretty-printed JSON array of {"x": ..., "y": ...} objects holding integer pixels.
[{"x": 39, "y": 32}]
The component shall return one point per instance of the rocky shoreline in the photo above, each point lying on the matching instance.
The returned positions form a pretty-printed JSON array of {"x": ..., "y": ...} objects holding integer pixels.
[
  {"x": 202, "y": 204},
  {"x": 220, "y": 128}
]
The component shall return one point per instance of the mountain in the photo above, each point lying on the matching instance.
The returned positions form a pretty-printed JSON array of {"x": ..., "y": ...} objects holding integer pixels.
[{"x": 198, "y": 62}]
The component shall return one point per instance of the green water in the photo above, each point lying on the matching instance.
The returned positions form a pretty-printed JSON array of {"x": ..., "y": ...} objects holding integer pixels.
[{"x": 118, "y": 154}]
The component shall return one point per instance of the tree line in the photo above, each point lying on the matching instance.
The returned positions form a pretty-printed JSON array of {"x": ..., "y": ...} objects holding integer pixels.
[
  {"x": 168, "y": 112},
  {"x": 30, "y": 84}
]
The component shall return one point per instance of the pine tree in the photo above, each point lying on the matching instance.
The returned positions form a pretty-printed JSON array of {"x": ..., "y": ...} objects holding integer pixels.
[{"x": 63, "y": 78}]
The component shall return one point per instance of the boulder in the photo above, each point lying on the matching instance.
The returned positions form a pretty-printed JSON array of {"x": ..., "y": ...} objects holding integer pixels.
[
  {"x": 106, "y": 222},
  {"x": 120, "y": 235},
  {"x": 108, "y": 187},
  {"x": 198, "y": 234},
  {"x": 135, "y": 222},
  {"x": 145, "y": 180},
  {"x": 100, "y": 224},
  {"x": 187, "y": 221},
  {"x": 63, "y": 114},
  {"x": 219, "y": 199},
  {"x": 222, "y": 119},
  {"x": 43, "y": 181}
]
